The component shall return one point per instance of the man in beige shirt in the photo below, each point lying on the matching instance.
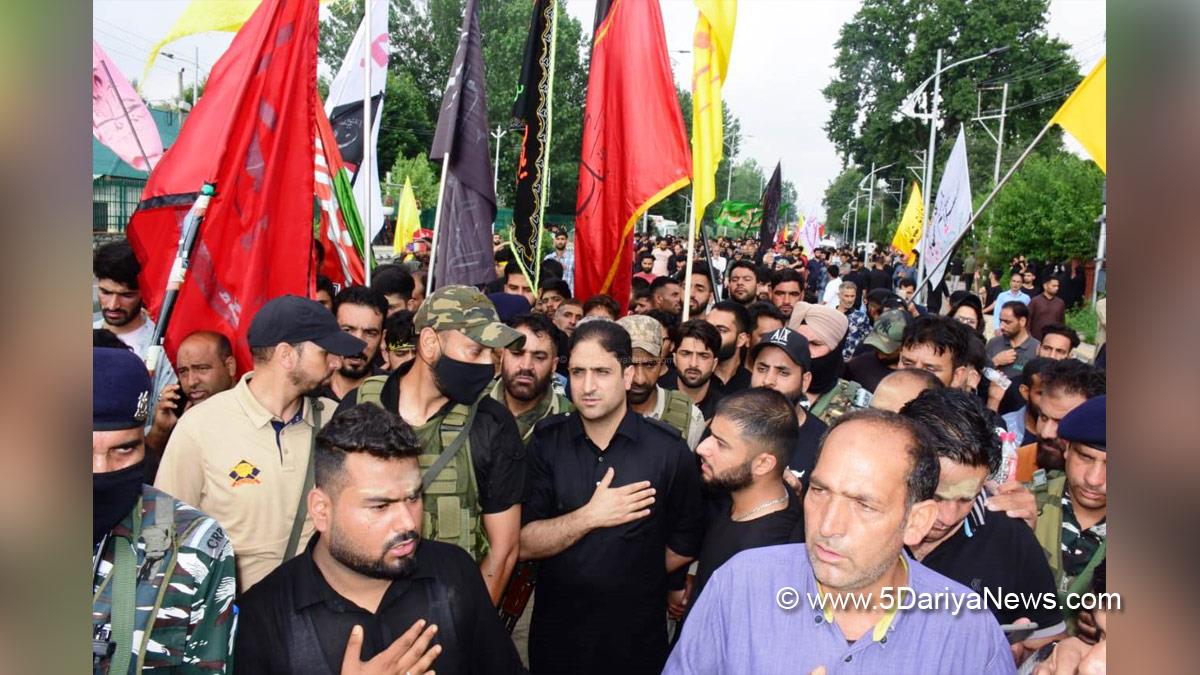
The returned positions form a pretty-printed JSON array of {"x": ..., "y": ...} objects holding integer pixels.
[{"x": 243, "y": 455}]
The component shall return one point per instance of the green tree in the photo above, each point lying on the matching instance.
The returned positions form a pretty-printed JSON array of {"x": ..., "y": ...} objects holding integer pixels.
[
  {"x": 838, "y": 196},
  {"x": 1047, "y": 211},
  {"x": 421, "y": 173},
  {"x": 890, "y": 47}
]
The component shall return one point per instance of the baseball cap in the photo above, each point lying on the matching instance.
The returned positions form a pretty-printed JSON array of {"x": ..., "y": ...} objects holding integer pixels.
[
  {"x": 120, "y": 390},
  {"x": 792, "y": 343},
  {"x": 293, "y": 319},
  {"x": 888, "y": 331},
  {"x": 645, "y": 332},
  {"x": 465, "y": 309}
]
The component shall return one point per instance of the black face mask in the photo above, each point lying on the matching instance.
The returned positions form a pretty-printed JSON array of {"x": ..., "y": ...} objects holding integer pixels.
[
  {"x": 113, "y": 496},
  {"x": 826, "y": 371},
  {"x": 462, "y": 382}
]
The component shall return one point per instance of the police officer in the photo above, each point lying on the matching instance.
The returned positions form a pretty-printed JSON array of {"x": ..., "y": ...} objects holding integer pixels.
[
  {"x": 162, "y": 571},
  {"x": 1072, "y": 524},
  {"x": 473, "y": 463},
  {"x": 829, "y": 395}
]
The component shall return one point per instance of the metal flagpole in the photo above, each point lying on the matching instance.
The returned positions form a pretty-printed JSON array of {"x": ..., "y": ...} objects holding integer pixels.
[
  {"x": 437, "y": 219},
  {"x": 933, "y": 119},
  {"x": 364, "y": 171},
  {"x": 870, "y": 201},
  {"x": 691, "y": 255},
  {"x": 712, "y": 279},
  {"x": 125, "y": 110}
]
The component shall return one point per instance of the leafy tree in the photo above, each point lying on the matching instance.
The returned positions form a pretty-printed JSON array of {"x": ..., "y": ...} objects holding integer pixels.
[
  {"x": 423, "y": 176},
  {"x": 838, "y": 197},
  {"x": 1047, "y": 211},
  {"x": 890, "y": 47}
]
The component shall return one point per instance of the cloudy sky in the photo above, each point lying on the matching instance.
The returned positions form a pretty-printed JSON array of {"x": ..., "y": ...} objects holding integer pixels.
[{"x": 782, "y": 57}]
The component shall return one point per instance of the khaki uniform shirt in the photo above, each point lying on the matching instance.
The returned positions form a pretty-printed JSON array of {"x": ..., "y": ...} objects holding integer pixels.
[{"x": 227, "y": 459}]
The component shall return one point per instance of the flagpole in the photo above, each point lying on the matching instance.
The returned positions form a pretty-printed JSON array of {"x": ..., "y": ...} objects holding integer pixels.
[
  {"x": 982, "y": 206},
  {"x": 437, "y": 219},
  {"x": 125, "y": 110},
  {"x": 365, "y": 169},
  {"x": 691, "y": 255},
  {"x": 537, "y": 263}
]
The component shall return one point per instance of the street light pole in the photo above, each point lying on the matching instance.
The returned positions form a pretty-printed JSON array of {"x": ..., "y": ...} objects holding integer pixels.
[{"x": 498, "y": 134}]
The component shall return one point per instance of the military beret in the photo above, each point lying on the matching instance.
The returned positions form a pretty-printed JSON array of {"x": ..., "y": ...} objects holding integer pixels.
[
  {"x": 120, "y": 390},
  {"x": 1085, "y": 424}
]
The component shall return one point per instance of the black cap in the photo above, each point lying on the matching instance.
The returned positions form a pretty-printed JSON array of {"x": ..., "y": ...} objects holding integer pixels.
[
  {"x": 293, "y": 319},
  {"x": 792, "y": 343},
  {"x": 120, "y": 390}
]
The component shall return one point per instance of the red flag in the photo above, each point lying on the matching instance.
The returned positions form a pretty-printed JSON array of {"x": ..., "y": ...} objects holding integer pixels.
[
  {"x": 252, "y": 136},
  {"x": 335, "y": 201},
  {"x": 635, "y": 146}
]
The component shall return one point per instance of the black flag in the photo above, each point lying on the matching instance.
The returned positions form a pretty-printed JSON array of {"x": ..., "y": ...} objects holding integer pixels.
[
  {"x": 770, "y": 213},
  {"x": 463, "y": 253},
  {"x": 531, "y": 112}
]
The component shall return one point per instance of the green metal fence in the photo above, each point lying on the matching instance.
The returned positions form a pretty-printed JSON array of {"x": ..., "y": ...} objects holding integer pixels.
[{"x": 114, "y": 200}]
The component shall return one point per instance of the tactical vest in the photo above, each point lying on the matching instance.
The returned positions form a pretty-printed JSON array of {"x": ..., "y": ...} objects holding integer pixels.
[
  {"x": 835, "y": 402},
  {"x": 451, "y": 499},
  {"x": 677, "y": 411},
  {"x": 1049, "y": 497}
]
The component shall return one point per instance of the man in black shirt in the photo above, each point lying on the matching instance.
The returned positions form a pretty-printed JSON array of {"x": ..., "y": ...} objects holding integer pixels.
[
  {"x": 987, "y": 551},
  {"x": 697, "y": 344},
  {"x": 878, "y": 276},
  {"x": 744, "y": 457},
  {"x": 782, "y": 362},
  {"x": 457, "y": 329},
  {"x": 368, "y": 591},
  {"x": 732, "y": 321},
  {"x": 614, "y": 506},
  {"x": 882, "y": 352}
]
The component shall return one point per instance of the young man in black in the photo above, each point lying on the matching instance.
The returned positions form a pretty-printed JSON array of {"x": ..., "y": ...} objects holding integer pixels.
[
  {"x": 782, "y": 362},
  {"x": 614, "y": 507},
  {"x": 368, "y": 591},
  {"x": 985, "y": 550},
  {"x": 743, "y": 460}
]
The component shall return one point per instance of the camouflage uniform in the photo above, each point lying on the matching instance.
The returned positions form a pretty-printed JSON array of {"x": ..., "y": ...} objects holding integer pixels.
[
  {"x": 551, "y": 403},
  {"x": 836, "y": 402},
  {"x": 192, "y": 630}
]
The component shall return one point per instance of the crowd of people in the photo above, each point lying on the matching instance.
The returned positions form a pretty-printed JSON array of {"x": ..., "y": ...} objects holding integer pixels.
[{"x": 511, "y": 478}]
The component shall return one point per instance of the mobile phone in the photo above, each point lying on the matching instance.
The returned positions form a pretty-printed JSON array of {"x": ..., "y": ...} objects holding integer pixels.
[
  {"x": 1018, "y": 632},
  {"x": 181, "y": 403}
]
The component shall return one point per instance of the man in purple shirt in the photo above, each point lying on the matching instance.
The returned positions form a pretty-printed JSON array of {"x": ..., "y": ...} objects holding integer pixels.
[{"x": 848, "y": 599}]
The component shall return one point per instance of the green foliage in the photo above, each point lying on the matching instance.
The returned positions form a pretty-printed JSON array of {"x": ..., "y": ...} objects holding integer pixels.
[
  {"x": 423, "y": 175},
  {"x": 890, "y": 47},
  {"x": 1047, "y": 211},
  {"x": 1083, "y": 320}
]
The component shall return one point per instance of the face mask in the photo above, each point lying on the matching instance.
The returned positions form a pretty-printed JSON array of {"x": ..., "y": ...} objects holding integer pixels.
[
  {"x": 826, "y": 371},
  {"x": 113, "y": 496},
  {"x": 462, "y": 382}
]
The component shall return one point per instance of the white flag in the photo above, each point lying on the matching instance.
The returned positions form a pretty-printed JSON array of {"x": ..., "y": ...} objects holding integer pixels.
[
  {"x": 950, "y": 213},
  {"x": 344, "y": 108}
]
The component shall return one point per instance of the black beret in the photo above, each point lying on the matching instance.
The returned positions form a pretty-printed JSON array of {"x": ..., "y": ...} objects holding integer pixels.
[
  {"x": 1085, "y": 424},
  {"x": 120, "y": 390}
]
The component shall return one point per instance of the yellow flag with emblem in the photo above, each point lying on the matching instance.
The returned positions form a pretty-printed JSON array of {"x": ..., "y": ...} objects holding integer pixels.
[
  {"x": 408, "y": 218},
  {"x": 1085, "y": 114},
  {"x": 908, "y": 234},
  {"x": 711, "y": 44}
]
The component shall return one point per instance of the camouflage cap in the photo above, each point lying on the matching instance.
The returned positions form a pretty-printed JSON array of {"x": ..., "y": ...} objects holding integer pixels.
[
  {"x": 888, "y": 330},
  {"x": 645, "y": 332},
  {"x": 465, "y": 309}
]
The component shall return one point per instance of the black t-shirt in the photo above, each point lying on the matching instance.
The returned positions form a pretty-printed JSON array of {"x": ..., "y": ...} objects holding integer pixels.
[
  {"x": 739, "y": 381},
  {"x": 804, "y": 455},
  {"x": 867, "y": 370},
  {"x": 602, "y": 602},
  {"x": 879, "y": 279},
  {"x": 1003, "y": 555},
  {"x": 993, "y": 292},
  {"x": 496, "y": 448},
  {"x": 708, "y": 405},
  {"x": 293, "y": 621},
  {"x": 726, "y": 538}
]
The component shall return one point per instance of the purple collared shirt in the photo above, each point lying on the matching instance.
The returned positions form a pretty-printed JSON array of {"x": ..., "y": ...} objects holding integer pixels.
[{"x": 740, "y": 625}]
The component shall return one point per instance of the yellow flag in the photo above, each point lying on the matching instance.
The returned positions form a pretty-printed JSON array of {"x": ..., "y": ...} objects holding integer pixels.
[
  {"x": 202, "y": 16},
  {"x": 1085, "y": 114},
  {"x": 711, "y": 44},
  {"x": 408, "y": 218},
  {"x": 908, "y": 234}
]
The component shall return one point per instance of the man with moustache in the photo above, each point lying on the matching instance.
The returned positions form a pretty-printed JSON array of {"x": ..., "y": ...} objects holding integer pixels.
[
  {"x": 613, "y": 508},
  {"x": 667, "y": 294},
  {"x": 782, "y": 363},
  {"x": 787, "y": 290},
  {"x": 205, "y": 366},
  {"x": 526, "y": 372},
  {"x": 697, "y": 345},
  {"x": 743, "y": 460},
  {"x": 463, "y": 436},
  {"x": 242, "y": 456},
  {"x": 359, "y": 311},
  {"x": 369, "y": 594},
  {"x": 702, "y": 290},
  {"x": 646, "y": 397},
  {"x": 1066, "y": 385},
  {"x": 764, "y": 317},
  {"x": 1072, "y": 524},
  {"x": 871, "y": 494},
  {"x": 976, "y": 548},
  {"x": 743, "y": 282},
  {"x": 732, "y": 322},
  {"x": 1022, "y": 422}
]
